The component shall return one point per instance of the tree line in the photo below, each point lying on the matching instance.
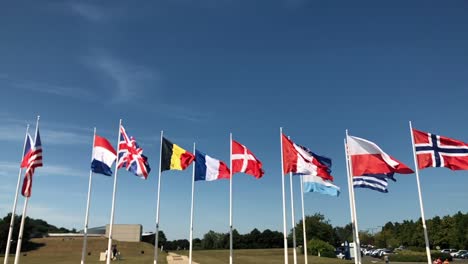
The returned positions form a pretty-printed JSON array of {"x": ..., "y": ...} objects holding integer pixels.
[
  {"x": 32, "y": 228},
  {"x": 444, "y": 232}
]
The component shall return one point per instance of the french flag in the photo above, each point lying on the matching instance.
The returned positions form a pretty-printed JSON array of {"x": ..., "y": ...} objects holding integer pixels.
[
  {"x": 369, "y": 159},
  {"x": 209, "y": 169},
  {"x": 103, "y": 156}
]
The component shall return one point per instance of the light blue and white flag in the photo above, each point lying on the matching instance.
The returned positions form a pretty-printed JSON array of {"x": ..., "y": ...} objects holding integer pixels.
[{"x": 317, "y": 184}]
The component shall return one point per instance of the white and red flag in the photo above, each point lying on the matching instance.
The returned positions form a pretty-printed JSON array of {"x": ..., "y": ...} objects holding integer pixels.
[
  {"x": 369, "y": 159},
  {"x": 439, "y": 151},
  {"x": 243, "y": 160},
  {"x": 298, "y": 160},
  {"x": 31, "y": 160}
]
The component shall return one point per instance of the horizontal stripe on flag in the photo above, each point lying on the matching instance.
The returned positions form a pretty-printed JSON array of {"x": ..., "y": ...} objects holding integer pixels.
[
  {"x": 314, "y": 183},
  {"x": 369, "y": 182}
]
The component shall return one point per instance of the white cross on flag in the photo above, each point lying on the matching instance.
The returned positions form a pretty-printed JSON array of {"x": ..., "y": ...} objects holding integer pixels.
[{"x": 243, "y": 160}]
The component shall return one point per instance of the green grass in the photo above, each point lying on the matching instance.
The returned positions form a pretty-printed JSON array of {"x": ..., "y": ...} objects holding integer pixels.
[
  {"x": 254, "y": 256},
  {"x": 68, "y": 250}
]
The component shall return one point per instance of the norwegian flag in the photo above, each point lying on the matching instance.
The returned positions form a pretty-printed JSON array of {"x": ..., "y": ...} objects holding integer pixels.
[
  {"x": 243, "y": 160},
  {"x": 31, "y": 160},
  {"x": 131, "y": 156},
  {"x": 439, "y": 151}
]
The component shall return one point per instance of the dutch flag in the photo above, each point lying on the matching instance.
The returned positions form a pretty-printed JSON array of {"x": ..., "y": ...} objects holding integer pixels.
[{"x": 103, "y": 156}]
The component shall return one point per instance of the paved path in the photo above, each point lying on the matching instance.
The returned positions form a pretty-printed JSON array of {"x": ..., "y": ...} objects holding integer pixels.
[{"x": 174, "y": 258}]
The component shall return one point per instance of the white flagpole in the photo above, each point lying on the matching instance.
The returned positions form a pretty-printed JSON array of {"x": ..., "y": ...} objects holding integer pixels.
[
  {"x": 350, "y": 186},
  {"x": 357, "y": 243},
  {"x": 156, "y": 234},
  {"x": 285, "y": 236},
  {"x": 293, "y": 221},
  {"x": 13, "y": 211},
  {"x": 109, "y": 244},
  {"x": 20, "y": 235},
  {"x": 426, "y": 237},
  {"x": 23, "y": 217},
  {"x": 304, "y": 246},
  {"x": 191, "y": 209},
  {"x": 230, "y": 200},
  {"x": 85, "y": 230}
]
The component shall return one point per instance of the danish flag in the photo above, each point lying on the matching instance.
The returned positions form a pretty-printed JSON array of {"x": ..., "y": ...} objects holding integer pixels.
[
  {"x": 131, "y": 156},
  {"x": 243, "y": 160},
  {"x": 439, "y": 151}
]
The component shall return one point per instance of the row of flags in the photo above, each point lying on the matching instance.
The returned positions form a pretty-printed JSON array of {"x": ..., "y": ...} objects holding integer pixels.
[
  {"x": 369, "y": 166},
  {"x": 173, "y": 157}
]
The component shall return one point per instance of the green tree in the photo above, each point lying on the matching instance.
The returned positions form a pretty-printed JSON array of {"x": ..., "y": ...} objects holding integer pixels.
[
  {"x": 316, "y": 246},
  {"x": 316, "y": 228}
]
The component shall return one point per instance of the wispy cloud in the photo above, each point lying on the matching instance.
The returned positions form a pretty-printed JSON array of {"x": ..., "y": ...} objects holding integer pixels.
[
  {"x": 58, "y": 170},
  {"x": 130, "y": 81},
  {"x": 56, "y": 134},
  {"x": 9, "y": 169},
  {"x": 55, "y": 137},
  {"x": 88, "y": 11},
  {"x": 55, "y": 216},
  {"x": 47, "y": 88}
]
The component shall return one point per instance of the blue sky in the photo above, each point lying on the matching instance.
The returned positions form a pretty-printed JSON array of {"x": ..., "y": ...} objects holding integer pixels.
[{"x": 201, "y": 69}]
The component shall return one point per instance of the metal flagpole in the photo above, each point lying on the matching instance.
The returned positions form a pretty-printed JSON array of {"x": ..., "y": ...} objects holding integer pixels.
[
  {"x": 109, "y": 244},
  {"x": 350, "y": 186},
  {"x": 156, "y": 234},
  {"x": 284, "y": 201},
  {"x": 20, "y": 235},
  {"x": 191, "y": 209},
  {"x": 13, "y": 211},
  {"x": 293, "y": 221},
  {"x": 23, "y": 217},
  {"x": 230, "y": 200},
  {"x": 85, "y": 230},
  {"x": 303, "y": 221},
  {"x": 357, "y": 243},
  {"x": 426, "y": 238}
]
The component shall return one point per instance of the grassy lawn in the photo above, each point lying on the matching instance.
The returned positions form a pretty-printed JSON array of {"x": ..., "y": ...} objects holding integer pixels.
[
  {"x": 68, "y": 250},
  {"x": 253, "y": 256}
]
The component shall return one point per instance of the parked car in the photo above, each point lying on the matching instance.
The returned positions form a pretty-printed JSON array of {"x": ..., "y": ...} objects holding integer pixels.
[
  {"x": 459, "y": 253},
  {"x": 446, "y": 250},
  {"x": 464, "y": 256}
]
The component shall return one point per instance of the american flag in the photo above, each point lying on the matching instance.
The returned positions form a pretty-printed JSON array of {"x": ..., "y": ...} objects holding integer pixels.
[
  {"x": 131, "y": 156},
  {"x": 31, "y": 160}
]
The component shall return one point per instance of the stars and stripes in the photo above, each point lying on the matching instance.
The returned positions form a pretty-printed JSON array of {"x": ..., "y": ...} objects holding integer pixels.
[
  {"x": 130, "y": 156},
  {"x": 31, "y": 160}
]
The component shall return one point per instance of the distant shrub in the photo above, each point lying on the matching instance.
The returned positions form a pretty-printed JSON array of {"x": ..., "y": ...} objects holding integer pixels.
[
  {"x": 407, "y": 258},
  {"x": 418, "y": 257},
  {"x": 417, "y": 249},
  {"x": 316, "y": 245}
]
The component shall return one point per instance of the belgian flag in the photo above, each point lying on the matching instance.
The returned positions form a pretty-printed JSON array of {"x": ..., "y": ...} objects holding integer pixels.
[{"x": 174, "y": 157}]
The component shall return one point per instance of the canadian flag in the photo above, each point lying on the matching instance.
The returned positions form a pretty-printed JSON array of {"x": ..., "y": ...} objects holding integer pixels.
[{"x": 243, "y": 160}]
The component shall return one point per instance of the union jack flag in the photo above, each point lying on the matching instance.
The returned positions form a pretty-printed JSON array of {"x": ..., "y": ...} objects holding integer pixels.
[
  {"x": 31, "y": 160},
  {"x": 439, "y": 151},
  {"x": 131, "y": 156}
]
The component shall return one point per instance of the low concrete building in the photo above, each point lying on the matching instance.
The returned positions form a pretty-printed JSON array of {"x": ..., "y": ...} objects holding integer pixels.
[{"x": 128, "y": 233}]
